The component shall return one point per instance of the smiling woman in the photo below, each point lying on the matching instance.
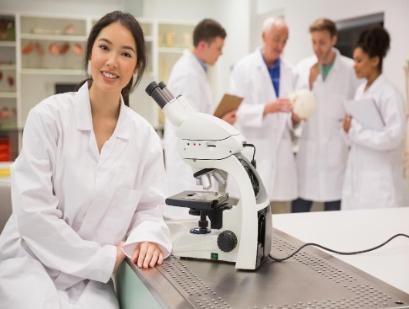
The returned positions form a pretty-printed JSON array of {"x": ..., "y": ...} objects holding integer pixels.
[
  {"x": 131, "y": 35},
  {"x": 87, "y": 186}
]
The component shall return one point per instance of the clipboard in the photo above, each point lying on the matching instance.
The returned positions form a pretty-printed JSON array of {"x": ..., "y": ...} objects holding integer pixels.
[
  {"x": 227, "y": 104},
  {"x": 366, "y": 112}
]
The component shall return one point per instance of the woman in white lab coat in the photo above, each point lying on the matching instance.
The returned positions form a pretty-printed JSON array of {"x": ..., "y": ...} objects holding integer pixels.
[
  {"x": 86, "y": 188},
  {"x": 270, "y": 132},
  {"x": 374, "y": 175}
]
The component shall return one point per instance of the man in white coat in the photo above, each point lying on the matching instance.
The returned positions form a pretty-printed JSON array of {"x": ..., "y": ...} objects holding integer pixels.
[
  {"x": 322, "y": 156},
  {"x": 189, "y": 78},
  {"x": 265, "y": 81}
]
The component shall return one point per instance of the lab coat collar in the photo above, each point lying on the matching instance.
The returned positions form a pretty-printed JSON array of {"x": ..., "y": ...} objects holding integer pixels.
[
  {"x": 260, "y": 60},
  {"x": 376, "y": 84},
  {"x": 337, "y": 61},
  {"x": 122, "y": 129},
  {"x": 261, "y": 64},
  {"x": 202, "y": 64},
  {"x": 84, "y": 117},
  {"x": 83, "y": 108},
  {"x": 195, "y": 62}
]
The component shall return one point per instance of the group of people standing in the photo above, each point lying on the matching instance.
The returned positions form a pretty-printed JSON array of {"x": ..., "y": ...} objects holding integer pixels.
[{"x": 339, "y": 161}]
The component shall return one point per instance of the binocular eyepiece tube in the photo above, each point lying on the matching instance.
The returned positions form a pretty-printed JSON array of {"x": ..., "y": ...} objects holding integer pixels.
[{"x": 159, "y": 93}]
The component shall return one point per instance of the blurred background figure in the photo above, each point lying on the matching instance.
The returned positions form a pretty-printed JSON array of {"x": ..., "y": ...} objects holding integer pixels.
[
  {"x": 265, "y": 81},
  {"x": 374, "y": 175},
  {"x": 189, "y": 78},
  {"x": 322, "y": 155}
]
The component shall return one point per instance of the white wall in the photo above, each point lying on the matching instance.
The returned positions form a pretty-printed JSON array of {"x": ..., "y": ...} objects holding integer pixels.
[
  {"x": 240, "y": 18},
  {"x": 300, "y": 14},
  {"x": 62, "y": 7}
]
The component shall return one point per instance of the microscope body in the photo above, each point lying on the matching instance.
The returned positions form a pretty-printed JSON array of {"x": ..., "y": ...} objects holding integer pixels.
[{"x": 243, "y": 233}]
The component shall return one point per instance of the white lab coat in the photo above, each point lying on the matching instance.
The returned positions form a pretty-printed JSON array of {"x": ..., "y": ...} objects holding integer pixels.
[
  {"x": 72, "y": 205},
  {"x": 374, "y": 175},
  {"x": 270, "y": 134},
  {"x": 188, "y": 78},
  {"x": 322, "y": 155}
]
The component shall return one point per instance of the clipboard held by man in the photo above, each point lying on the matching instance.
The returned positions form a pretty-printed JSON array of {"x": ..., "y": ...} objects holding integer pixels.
[{"x": 227, "y": 104}]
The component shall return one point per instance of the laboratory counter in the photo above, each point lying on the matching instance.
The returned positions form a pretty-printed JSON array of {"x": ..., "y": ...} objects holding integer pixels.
[{"x": 311, "y": 279}]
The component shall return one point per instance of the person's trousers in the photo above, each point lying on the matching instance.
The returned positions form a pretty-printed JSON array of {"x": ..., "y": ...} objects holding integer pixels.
[{"x": 301, "y": 205}]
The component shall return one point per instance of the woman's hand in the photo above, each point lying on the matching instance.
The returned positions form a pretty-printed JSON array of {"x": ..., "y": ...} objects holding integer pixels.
[
  {"x": 120, "y": 256},
  {"x": 147, "y": 254},
  {"x": 347, "y": 123}
]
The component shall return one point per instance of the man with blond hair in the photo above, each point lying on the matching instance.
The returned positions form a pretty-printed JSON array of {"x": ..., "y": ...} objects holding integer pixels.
[{"x": 322, "y": 155}]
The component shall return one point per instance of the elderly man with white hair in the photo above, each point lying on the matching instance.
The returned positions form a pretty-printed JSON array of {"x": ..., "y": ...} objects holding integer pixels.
[{"x": 265, "y": 81}]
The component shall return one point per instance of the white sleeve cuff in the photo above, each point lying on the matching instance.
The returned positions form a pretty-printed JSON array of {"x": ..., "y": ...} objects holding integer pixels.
[{"x": 152, "y": 231}]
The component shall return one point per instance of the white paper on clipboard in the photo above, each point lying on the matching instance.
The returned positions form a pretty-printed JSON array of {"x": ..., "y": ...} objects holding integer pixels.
[{"x": 366, "y": 112}]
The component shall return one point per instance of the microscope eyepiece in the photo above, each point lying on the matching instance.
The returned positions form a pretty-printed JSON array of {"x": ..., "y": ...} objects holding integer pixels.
[
  {"x": 151, "y": 87},
  {"x": 159, "y": 94}
]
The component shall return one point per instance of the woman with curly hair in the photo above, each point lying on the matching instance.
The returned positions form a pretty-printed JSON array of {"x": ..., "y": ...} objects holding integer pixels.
[{"x": 374, "y": 175}]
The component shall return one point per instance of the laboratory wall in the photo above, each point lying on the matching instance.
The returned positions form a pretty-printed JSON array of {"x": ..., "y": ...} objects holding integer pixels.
[
  {"x": 299, "y": 15},
  {"x": 62, "y": 7},
  {"x": 242, "y": 19}
]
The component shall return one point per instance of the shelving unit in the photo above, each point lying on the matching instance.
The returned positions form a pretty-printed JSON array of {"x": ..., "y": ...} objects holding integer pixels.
[
  {"x": 167, "y": 43},
  {"x": 38, "y": 53},
  {"x": 173, "y": 39},
  {"x": 8, "y": 89}
]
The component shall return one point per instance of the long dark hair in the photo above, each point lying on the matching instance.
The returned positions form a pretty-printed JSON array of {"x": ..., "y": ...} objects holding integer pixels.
[{"x": 129, "y": 22}]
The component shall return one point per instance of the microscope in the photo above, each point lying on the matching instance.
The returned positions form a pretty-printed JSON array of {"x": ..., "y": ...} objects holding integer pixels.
[{"x": 239, "y": 231}]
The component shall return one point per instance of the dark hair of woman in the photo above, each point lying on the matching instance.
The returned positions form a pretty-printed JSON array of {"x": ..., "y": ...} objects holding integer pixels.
[
  {"x": 129, "y": 22},
  {"x": 375, "y": 43}
]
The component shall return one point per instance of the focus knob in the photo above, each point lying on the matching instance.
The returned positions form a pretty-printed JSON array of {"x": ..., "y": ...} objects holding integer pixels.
[{"x": 227, "y": 241}]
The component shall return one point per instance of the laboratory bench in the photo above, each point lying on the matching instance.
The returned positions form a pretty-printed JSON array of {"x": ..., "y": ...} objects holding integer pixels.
[{"x": 311, "y": 279}]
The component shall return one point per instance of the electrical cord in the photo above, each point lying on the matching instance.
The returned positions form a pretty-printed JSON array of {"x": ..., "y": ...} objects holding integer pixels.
[
  {"x": 253, "y": 161},
  {"x": 335, "y": 251}
]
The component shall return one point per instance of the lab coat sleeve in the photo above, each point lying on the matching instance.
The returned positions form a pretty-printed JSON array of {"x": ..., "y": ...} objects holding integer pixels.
[
  {"x": 389, "y": 137},
  {"x": 250, "y": 112},
  {"x": 189, "y": 86},
  {"x": 40, "y": 221},
  {"x": 147, "y": 223}
]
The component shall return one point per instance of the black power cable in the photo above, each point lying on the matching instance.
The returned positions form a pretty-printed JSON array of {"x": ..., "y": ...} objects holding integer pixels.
[
  {"x": 253, "y": 161},
  {"x": 335, "y": 251}
]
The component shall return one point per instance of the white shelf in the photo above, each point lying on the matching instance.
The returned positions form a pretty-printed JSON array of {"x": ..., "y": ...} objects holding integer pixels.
[
  {"x": 7, "y": 43},
  {"x": 52, "y": 72},
  {"x": 34, "y": 81},
  {"x": 171, "y": 50},
  {"x": 8, "y": 95},
  {"x": 51, "y": 37}
]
